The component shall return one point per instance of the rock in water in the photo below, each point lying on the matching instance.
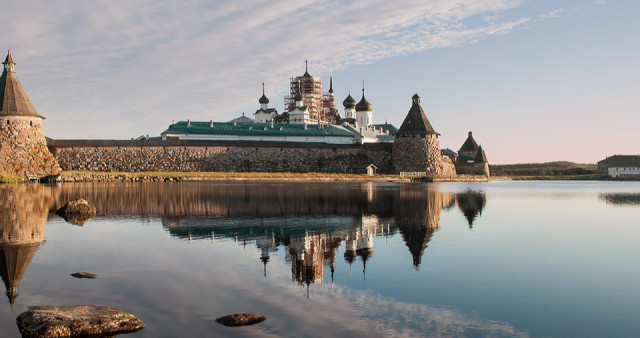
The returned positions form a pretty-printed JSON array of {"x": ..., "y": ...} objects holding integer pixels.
[
  {"x": 241, "y": 319},
  {"x": 77, "y": 212},
  {"x": 78, "y": 320},
  {"x": 84, "y": 275}
]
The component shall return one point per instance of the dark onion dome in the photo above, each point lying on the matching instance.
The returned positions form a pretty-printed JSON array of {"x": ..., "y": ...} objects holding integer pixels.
[
  {"x": 349, "y": 102},
  {"x": 298, "y": 97},
  {"x": 469, "y": 145},
  {"x": 264, "y": 98},
  {"x": 364, "y": 105},
  {"x": 416, "y": 121}
]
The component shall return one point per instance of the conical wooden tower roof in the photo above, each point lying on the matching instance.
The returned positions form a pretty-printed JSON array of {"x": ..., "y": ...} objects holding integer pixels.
[
  {"x": 480, "y": 157},
  {"x": 416, "y": 121},
  {"x": 469, "y": 145},
  {"x": 13, "y": 98}
]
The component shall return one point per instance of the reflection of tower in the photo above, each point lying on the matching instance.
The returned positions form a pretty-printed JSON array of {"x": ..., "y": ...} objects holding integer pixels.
[
  {"x": 350, "y": 248},
  {"x": 471, "y": 204},
  {"x": 365, "y": 240},
  {"x": 266, "y": 244},
  {"x": 23, "y": 215},
  {"x": 330, "y": 252},
  {"x": 417, "y": 213},
  {"x": 307, "y": 258},
  {"x": 14, "y": 260}
]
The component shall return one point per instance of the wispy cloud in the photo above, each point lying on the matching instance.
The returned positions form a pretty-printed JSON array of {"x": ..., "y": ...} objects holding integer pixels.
[
  {"x": 120, "y": 68},
  {"x": 553, "y": 14},
  {"x": 601, "y": 2}
]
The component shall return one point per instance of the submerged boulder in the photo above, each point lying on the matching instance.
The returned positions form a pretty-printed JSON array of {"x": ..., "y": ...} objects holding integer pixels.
[
  {"x": 84, "y": 275},
  {"x": 241, "y": 319},
  {"x": 77, "y": 320},
  {"x": 77, "y": 212}
]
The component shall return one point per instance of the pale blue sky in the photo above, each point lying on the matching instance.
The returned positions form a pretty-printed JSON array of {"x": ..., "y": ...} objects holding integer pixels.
[{"x": 534, "y": 80}]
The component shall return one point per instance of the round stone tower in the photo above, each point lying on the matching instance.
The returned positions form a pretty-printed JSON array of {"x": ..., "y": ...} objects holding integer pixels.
[
  {"x": 416, "y": 147},
  {"x": 23, "y": 147}
]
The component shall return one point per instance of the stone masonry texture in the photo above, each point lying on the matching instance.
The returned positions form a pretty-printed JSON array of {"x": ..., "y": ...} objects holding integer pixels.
[
  {"x": 221, "y": 158},
  {"x": 23, "y": 148},
  {"x": 420, "y": 153}
]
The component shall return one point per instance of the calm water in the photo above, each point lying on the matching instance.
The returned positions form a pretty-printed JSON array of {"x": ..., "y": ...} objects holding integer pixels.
[{"x": 490, "y": 259}]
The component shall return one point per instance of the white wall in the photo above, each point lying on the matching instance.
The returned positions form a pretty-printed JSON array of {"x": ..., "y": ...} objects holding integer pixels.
[{"x": 624, "y": 171}]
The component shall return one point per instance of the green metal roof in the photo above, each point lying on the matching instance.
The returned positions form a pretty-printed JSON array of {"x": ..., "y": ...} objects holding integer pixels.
[
  {"x": 387, "y": 126},
  {"x": 256, "y": 129}
]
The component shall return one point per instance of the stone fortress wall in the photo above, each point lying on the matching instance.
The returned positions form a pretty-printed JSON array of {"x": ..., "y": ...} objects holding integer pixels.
[{"x": 180, "y": 155}]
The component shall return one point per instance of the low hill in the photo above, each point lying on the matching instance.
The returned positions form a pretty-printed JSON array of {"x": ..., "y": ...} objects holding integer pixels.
[{"x": 558, "y": 168}]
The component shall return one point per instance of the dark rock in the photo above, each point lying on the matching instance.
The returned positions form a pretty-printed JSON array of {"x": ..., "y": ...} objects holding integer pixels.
[
  {"x": 78, "y": 320},
  {"x": 241, "y": 319},
  {"x": 77, "y": 212},
  {"x": 84, "y": 275}
]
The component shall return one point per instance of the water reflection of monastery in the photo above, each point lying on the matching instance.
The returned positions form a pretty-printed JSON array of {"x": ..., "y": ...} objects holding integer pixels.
[
  {"x": 314, "y": 241},
  {"x": 314, "y": 224}
]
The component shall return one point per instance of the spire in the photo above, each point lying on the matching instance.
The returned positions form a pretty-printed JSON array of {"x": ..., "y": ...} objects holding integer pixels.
[
  {"x": 416, "y": 121},
  {"x": 306, "y": 69},
  {"x": 8, "y": 62},
  {"x": 298, "y": 97},
  {"x": 14, "y": 100},
  {"x": 331, "y": 82}
]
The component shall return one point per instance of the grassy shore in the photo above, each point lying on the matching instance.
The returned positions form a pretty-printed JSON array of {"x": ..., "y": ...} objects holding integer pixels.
[
  {"x": 4, "y": 178},
  {"x": 547, "y": 170}
]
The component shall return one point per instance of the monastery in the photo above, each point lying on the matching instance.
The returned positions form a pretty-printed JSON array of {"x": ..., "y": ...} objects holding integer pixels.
[{"x": 310, "y": 135}]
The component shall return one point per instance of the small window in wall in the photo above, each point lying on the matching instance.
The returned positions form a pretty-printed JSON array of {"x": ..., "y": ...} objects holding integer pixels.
[
  {"x": 8, "y": 122},
  {"x": 31, "y": 123}
]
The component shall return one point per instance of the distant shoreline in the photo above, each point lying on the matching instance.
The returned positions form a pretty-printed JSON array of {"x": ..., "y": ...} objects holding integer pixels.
[{"x": 162, "y": 176}]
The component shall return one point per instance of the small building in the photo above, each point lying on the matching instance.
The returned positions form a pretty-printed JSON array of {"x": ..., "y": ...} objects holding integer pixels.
[
  {"x": 370, "y": 169},
  {"x": 471, "y": 159},
  {"x": 618, "y": 161},
  {"x": 622, "y": 166}
]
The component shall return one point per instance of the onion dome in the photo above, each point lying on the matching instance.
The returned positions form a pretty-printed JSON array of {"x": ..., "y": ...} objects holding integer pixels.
[
  {"x": 263, "y": 99},
  {"x": 349, "y": 102},
  {"x": 364, "y": 105},
  {"x": 298, "y": 97}
]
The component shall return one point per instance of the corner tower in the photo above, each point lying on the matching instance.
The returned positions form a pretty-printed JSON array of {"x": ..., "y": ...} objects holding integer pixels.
[
  {"x": 416, "y": 147},
  {"x": 23, "y": 147}
]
